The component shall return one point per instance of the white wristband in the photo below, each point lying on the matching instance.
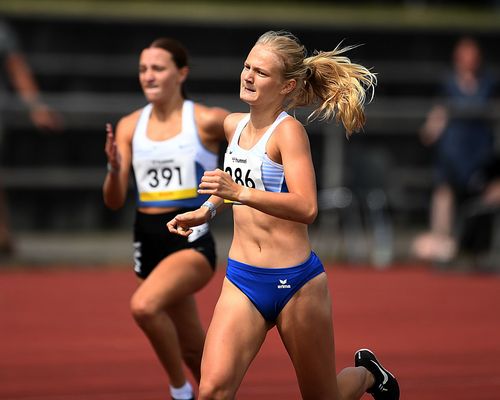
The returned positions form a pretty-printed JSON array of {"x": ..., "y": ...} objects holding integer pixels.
[{"x": 211, "y": 207}]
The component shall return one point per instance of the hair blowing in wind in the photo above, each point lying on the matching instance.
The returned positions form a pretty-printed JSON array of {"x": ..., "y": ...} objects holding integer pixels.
[{"x": 328, "y": 81}]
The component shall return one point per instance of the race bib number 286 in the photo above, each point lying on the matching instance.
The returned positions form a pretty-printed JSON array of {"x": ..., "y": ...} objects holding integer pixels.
[{"x": 241, "y": 176}]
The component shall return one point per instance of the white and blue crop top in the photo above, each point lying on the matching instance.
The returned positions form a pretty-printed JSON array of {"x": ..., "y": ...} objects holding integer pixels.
[
  {"x": 253, "y": 168},
  {"x": 167, "y": 173}
]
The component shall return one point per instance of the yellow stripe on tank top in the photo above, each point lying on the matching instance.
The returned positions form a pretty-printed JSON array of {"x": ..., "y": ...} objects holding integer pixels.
[{"x": 172, "y": 195}]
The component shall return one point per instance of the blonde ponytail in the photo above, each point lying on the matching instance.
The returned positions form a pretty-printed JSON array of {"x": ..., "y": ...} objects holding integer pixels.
[{"x": 327, "y": 80}]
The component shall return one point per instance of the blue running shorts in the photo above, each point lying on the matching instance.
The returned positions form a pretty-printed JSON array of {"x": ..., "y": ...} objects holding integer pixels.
[{"x": 269, "y": 289}]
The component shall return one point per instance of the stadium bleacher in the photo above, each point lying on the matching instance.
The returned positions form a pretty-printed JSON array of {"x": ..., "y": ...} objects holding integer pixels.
[{"x": 87, "y": 69}]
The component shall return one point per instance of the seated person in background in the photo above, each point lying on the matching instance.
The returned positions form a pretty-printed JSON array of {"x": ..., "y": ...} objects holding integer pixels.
[{"x": 460, "y": 131}]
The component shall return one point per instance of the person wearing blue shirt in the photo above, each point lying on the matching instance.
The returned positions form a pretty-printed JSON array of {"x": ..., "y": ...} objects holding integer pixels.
[{"x": 459, "y": 129}]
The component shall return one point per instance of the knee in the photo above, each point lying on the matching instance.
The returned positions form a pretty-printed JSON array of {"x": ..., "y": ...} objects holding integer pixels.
[
  {"x": 211, "y": 390},
  {"x": 142, "y": 310}
]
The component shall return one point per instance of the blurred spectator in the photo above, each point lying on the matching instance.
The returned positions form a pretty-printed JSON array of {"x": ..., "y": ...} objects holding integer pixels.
[
  {"x": 19, "y": 75},
  {"x": 460, "y": 131}
]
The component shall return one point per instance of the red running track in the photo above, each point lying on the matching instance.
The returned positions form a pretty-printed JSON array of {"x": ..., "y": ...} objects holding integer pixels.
[{"x": 66, "y": 334}]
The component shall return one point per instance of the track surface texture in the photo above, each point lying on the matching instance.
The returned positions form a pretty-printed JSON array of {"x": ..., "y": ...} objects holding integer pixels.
[{"x": 66, "y": 334}]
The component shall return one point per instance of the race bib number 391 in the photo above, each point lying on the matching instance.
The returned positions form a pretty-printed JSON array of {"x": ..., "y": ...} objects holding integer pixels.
[{"x": 168, "y": 180}]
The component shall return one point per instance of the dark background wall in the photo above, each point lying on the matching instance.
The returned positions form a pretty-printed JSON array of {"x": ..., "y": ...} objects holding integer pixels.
[{"x": 87, "y": 68}]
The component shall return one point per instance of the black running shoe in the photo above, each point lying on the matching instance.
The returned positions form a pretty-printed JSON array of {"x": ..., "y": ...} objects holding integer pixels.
[{"x": 386, "y": 386}]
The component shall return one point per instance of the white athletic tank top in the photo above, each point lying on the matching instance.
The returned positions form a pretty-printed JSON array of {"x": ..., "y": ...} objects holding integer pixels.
[
  {"x": 167, "y": 173},
  {"x": 252, "y": 167}
]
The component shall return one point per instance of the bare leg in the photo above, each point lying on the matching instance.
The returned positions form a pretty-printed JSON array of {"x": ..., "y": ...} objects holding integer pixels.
[
  {"x": 171, "y": 283},
  {"x": 191, "y": 334},
  {"x": 234, "y": 337},
  {"x": 353, "y": 382},
  {"x": 306, "y": 328},
  {"x": 439, "y": 244},
  {"x": 442, "y": 210}
]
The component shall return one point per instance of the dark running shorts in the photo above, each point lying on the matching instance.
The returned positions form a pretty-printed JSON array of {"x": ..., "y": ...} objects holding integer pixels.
[{"x": 153, "y": 242}]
